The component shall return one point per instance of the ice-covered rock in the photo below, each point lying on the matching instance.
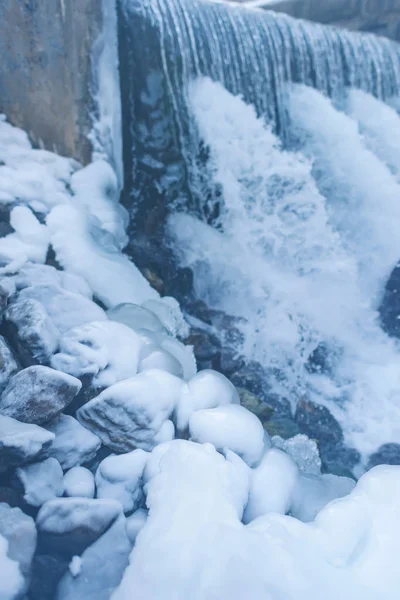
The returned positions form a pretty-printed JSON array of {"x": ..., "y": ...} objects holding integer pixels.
[
  {"x": 135, "y": 524},
  {"x": 8, "y": 364},
  {"x": 31, "y": 331},
  {"x": 21, "y": 443},
  {"x": 312, "y": 493},
  {"x": 32, "y": 274},
  {"x": 120, "y": 478},
  {"x": 65, "y": 309},
  {"x": 207, "y": 389},
  {"x": 183, "y": 354},
  {"x": 11, "y": 580},
  {"x": 133, "y": 413},
  {"x": 107, "y": 350},
  {"x": 38, "y": 394},
  {"x": 69, "y": 525},
  {"x": 29, "y": 241},
  {"x": 302, "y": 450},
  {"x": 163, "y": 360},
  {"x": 273, "y": 484},
  {"x": 74, "y": 444},
  {"x": 101, "y": 568},
  {"x": 136, "y": 317},
  {"x": 19, "y": 530},
  {"x": 79, "y": 483},
  {"x": 230, "y": 427},
  {"x": 42, "y": 481},
  {"x": 169, "y": 313}
]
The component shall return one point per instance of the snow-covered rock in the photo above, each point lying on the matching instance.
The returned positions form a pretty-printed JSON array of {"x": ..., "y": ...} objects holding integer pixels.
[
  {"x": 38, "y": 394},
  {"x": 107, "y": 350},
  {"x": 135, "y": 524},
  {"x": 21, "y": 443},
  {"x": 69, "y": 525},
  {"x": 120, "y": 478},
  {"x": 102, "y": 566},
  {"x": 42, "y": 481},
  {"x": 11, "y": 580},
  {"x": 29, "y": 241},
  {"x": 79, "y": 483},
  {"x": 273, "y": 484},
  {"x": 134, "y": 413},
  {"x": 19, "y": 530},
  {"x": 32, "y": 274},
  {"x": 207, "y": 389},
  {"x": 65, "y": 309},
  {"x": 230, "y": 427},
  {"x": 31, "y": 331},
  {"x": 8, "y": 364},
  {"x": 73, "y": 444}
]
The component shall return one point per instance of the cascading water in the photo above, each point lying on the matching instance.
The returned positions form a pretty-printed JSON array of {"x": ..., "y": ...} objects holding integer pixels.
[{"x": 283, "y": 193}]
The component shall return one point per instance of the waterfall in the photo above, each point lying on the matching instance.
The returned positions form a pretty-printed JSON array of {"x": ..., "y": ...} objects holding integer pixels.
[{"x": 270, "y": 144}]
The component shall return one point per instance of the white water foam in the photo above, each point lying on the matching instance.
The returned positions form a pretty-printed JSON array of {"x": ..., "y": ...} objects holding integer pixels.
[{"x": 304, "y": 266}]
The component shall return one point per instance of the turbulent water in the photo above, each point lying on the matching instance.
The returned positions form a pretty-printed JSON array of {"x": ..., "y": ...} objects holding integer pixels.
[{"x": 291, "y": 152}]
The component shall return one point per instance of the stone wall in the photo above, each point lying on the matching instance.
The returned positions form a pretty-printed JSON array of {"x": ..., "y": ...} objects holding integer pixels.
[
  {"x": 45, "y": 70},
  {"x": 378, "y": 16}
]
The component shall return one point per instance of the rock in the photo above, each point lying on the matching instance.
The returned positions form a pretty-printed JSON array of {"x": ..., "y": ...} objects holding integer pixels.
[
  {"x": 253, "y": 403},
  {"x": 74, "y": 444},
  {"x": 70, "y": 525},
  {"x": 41, "y": 481},
  {"x": 390, "y": 306},
  {"x": 133, "y": 413},
  {"x": 8, "y": 364},
  {"x": 388, "y": 454},
  {"x": 102, "y": 566},
  {"x": 7, "y": 289},
  {"x": 317, "y": 422},
  {"x": 79, "y": 483},
  {"x": 230, "y": 362},
  {"x": 285, "y": 427},
  {"x": 21, "y": 443},
  {"x": 20, "y": 532},
  {"x": 31, "y": 332},
  {"x": 338, "y": 459},
  {"x": 120, "y": 478},
  {"x": 47, "y": 571},
  {"x": 38, "y": 394},
  {"x": 207, "y": 348}
]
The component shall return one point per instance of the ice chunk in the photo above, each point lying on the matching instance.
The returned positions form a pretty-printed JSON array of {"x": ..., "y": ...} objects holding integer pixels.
[
  {"x": 41, "y": 481},
  {"x": 131, "y": 414},
  {"x": 136, "y": 317},
  {"x": 107, "y": 350},
  {"x": 231, "y": 427},
  {"x": 111, "y": 276},
  {"x": 161, "y": 359},
  {"x": 79, "y": 482},
  {"x": 120, "y": 478},
  {"x": 135, "y": 524},
  {"x": 169, "y": 312},
  {"x": 184, "y": 354},
  {"x": 21, "y": 443},
  {"x": 73, "y": 444},
  {"x": 38, "y": 394},
  {"x": 207, "y": 389},
  {"x": 303, "y": 450},
  {"x": 65, "y": 309},
  {"x": 273, "y": 485}
]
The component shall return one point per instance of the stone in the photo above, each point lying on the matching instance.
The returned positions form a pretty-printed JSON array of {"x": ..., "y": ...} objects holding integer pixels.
[
  {"x": 31, "y": 332},
  {"x": 8, "y": 364},
  {"x": 20, "y": 532},
  {"x": 253, "y": 403},
  {"x": 389, "y": 309},
  {"x": 317, "y": 422},
  {"x": 387, "y": 454},
  {"x": 285, "y": 427},
  {"x": 47, "y": 571},
  {"x": 69, "y": 525},
  {"x": 102, "y": 566},
  {"x": 41, "y": 481},
  {"x": 38, "y": 394},
  {"x": 74, "y": 444},
  {"x": 21, "y": 443},
  {"x": 206, "y": 348}
]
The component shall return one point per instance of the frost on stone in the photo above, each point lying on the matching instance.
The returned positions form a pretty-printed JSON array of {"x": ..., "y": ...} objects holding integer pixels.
[
  {"x": 133, "y": 413},
  {"x": 120, "y": 478},
  {"x": 41, "y": 481},
  {"x": 21, "y": 443},
  {"x": 79, "y": 483},
  {"x": 38, "y": 394},
  {"x": 73, "y": 444},
  {"x": 207, "y": 389},
  {"x": 230, "y": 427},
  {"x": 302, "y": 450},
  {"x": 107, "y": 350}
]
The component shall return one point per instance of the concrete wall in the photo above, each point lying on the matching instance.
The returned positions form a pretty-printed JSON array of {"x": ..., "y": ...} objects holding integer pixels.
[
  {"x": 45, "y": 70},
  {"x": 378, "y": 16}
]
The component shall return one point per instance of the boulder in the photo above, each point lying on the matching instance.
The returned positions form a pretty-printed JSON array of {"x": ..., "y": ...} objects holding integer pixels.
[
  {"x": 79, "y": 483},
  {"x": 41, "y": 481},
  {"x": 21, "y": 443},
  {"x": 38, "y": 394}
]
